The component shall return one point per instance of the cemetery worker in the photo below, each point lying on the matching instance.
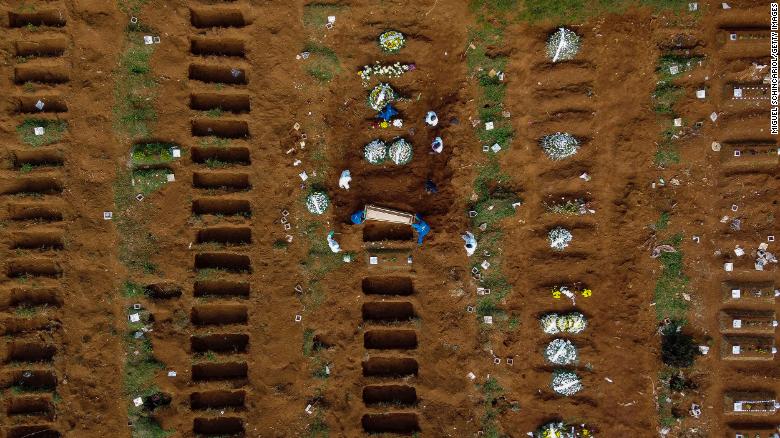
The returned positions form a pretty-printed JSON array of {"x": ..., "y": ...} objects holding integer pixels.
[
  {"x": 471, "y": 243},
  {"x": 334, "y": 246},
  {"x": 344, "y": 180},
  {"x": 358, "y": 217},
  {"x": 437, "y": 145},
  {"x": 421, "y": 227},
  {"x": 431, "y": 119},
  {"x": 430, "y": 186}
]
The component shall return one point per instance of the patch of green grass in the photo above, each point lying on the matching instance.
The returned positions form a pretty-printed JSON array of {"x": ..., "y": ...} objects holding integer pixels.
[
  {"x": 137, "y": 244},
  {"x": 669, "y": 302},
  {"x": 131, "y": 6},
  {"x": 318, "y": 428},
  {"x": 26, "y": 168},
  {"x": 148, "y": 181},
  {"x": 212, "y": 140},
  {"x": 308, "y": 342},
  {"x": 666, "y": 94},
  {"x": 667, "y": 153},
  {"x": 134, "y": 91},
  {"x": 491, "y": 390},
  {"x": 663, "y": 221},
  {"x": 26, "y": 311},
  {"x": 316, "y": 14},
  {"x": 132, "y": 290},
  {"x": 53, "y": 130},
  {"x": 323, "y": 63},
  {"x": 573, "y": 11},
  {"x": 215, "y": 113},
  {"x": 151, "y": 153}
]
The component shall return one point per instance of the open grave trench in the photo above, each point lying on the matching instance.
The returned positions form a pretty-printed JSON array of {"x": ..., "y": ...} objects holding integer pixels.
[
  {"x": 220, "y": 106},
  {"x": 34, "y": 212}
]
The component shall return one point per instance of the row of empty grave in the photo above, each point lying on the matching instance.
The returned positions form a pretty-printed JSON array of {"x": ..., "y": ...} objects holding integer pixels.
[
  {"x": 746, "y": 158},
  {"x": 220, "y": 102},
  {"x": 33, "y": 210}
]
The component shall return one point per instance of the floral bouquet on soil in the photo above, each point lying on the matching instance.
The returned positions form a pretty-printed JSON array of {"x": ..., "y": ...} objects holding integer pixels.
[
  {"x": 553, "y": 323},
  {"x": 388, "y": 70},
  {"x": 391, "y": 41},
  {"x": 566, "y": 383},
  {"x": 317, "y": 202},
  {"x": 569, "y": 207},
  {"x": 563, "y": 45},
  {"x": 380, "y": 96},
  {"x": 375, "y": 152},
  {"x": 559, "y": 145},
  {"x": 559, "y": 238},
  {"x": 559, "y": 429},
  {"x": 400, "y": 152},
  {"x": 561, "y": 352}
]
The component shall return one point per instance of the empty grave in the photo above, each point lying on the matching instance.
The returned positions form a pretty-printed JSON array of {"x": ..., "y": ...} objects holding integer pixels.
[
  {"x": 221, "y": 206},
  {"x": 51, "y": 104},
  {"x": 388, "y": 311},
  {"x": 380, "y": 231},
  {"x": 29, "y": 352},
  {"x": 33, "y": 405},
  {"x": 33, "y": 267},
  {"x": 44, "y": 74},
  {"x": 216, "y": 17},
  {"x": 38, "y": 157},
  {"x": 34, "y": 297},
  {"x": 388, "y": 286},
  {"x": 220, "y": 128},
  {"x": 34, "y": 212},
  {"x": 752, "y": 34},
  {"x": 20, "y": 325},
  {"x": 229, "y": 155},
  {"x": 219, "y": 314},
  {"x": 234, "y": 103},
  {"x": 221, "y": 180},
  {"x": 204, "y": 46},
  {"x": 225, "y": 235},
  {"x": 163, "y": 290},
  {"x": 45, "y": 17},
  {"x": 49, "y": 47},
  {"x": 32, "y": 432},
  {"x": 36, "y": 380},
  {"x": 389, "y": 394},
  {"x": 219, "y": 371},
  {"x": 379, "y": 366},
  {"x": 43, "y": 239},
  {"x": 42, "y": 185},
  {"x": 224, "y": 261},
  {"x": 217, "y": 399},
  {"x": 395, "y": 422},
  {"x": 220, "y": 288},
  {"x": 390, "y": 339},
  {"x": 220, "y": 343},
  {"x": 221, "y": 74}
]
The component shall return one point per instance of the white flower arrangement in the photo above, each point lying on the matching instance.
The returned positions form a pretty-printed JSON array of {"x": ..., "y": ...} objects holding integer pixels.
[
  {"x": 380, "y": 96},
  {"x": 563, "y": 45},
  {"x": 400, "y": 152},
  {"x": 550, "y": 323},
  {"x": 559, "y": 145},
  {"x": 375, "y": 152},
  {"x": 392, "y": 41},
  {"x": 559, "y": 238},
  {"x": 388, "y": 70},
  {"x": 566, "y": 383},
  {"x": 317, "y": 202},
  {"x": 561, "y": 352}
]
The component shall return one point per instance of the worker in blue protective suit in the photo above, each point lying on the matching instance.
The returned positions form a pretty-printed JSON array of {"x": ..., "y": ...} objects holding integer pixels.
[
  {"x": 358, "y": 217},
  {"x": 421, "y": 227}
]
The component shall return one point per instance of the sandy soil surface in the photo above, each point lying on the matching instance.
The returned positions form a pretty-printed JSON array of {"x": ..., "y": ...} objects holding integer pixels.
[{"x": 395, "y": 340}]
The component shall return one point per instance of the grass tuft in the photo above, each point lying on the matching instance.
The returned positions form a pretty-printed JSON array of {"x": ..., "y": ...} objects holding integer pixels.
[{"x": 53, "y": 131}]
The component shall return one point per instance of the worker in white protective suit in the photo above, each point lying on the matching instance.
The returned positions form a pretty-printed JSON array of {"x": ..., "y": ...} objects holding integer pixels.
[
  {"x": 471, "y": 243},
  {"x": 334, "y": 246},
  {"x": 344, "y": 180}
]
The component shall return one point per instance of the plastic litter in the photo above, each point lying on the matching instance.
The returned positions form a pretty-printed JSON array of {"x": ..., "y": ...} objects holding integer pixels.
[
  {"x": 471, "y": 243},
  {"x": 431, "y": 118},
  {"x": 437, "y": 145},
  {"x": 334, "y": 246}
]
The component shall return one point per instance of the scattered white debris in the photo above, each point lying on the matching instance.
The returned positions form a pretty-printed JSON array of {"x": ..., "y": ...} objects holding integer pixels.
[
  {"x": 39, "y": 130},
  {"x": 703, "y": 349},
  {"x": 108, "y": 215},
  {"x": 678, "y": 122},
  {"x": 487, "y": 319},
  {"x": 135, "y": 317},
  {"x": 39, "y": 105},
  {"x": 471, "y": 376},
  {"x": 171, "y": 373},
  {"x": 148, "y": 39},
  {"x": 488, "y": 126},
  {"x": 714, "y": 116},
  {"x": 138, "y": 401}
]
